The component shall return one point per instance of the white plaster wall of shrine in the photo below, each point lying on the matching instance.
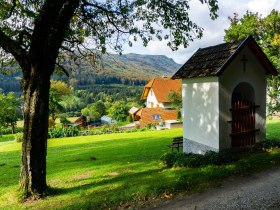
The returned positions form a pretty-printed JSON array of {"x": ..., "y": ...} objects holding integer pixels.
[
  {"x": 255, "y": 75},
  {"x": 201, "y": 114}
]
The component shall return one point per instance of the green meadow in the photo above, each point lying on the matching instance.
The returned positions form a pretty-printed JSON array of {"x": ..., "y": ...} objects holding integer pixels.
[{"x": 119, "y": 171}]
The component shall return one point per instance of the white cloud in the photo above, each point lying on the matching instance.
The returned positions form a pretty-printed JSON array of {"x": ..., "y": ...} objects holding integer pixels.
[
  {"x": 263, "y": 7},
  {"x": 213, "y": 30}
]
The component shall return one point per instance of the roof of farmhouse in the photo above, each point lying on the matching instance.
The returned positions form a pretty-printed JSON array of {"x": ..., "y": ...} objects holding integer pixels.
[
  {"x": 161, "y": 88},
  {"x": 212, "y": 61}
]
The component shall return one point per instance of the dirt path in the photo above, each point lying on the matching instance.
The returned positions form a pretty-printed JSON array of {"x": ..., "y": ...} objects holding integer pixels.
[{"x": 258, "y": 191}]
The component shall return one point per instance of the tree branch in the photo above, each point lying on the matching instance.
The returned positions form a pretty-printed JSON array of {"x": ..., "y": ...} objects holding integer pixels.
[
  {"x": 11, "y": 46},
  {"x": 14, "y": 4},
  {"x": 43, "y": 26},
  {"x": 63, "y": 69},
  {"x": 107, "y": 13},
  {"x": 60, "y": 26}
]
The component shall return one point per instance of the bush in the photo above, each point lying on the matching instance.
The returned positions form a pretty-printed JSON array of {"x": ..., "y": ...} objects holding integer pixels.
[
  {"x": 18, "y": 137},
  {"x": 269, "y": 144},
  {"x": 151, "y": 126},
  {"x": 58, "y": 132},
  {"x": 196, "y": 160},
  {"x": 169, "y": 158},
  {"x": 70, "y": 131},
  {"x": 189, "y": 160},
  {"x": 55, "y": 133},
  {"x": 9, "y": 130}
]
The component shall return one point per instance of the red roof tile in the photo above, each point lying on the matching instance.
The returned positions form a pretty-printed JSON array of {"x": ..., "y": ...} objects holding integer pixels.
[
  {"x": 146, "y": 115},
  {"x": 161, "y": 88}
]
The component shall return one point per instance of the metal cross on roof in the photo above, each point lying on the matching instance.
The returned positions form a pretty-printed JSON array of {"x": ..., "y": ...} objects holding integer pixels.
[{"x": 244, "y": 62}]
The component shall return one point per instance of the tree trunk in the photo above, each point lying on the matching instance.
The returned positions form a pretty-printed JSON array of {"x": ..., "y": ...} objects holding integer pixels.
[
  {"x": 13, "y": 127},
  {"x": 36, "y": 88}
]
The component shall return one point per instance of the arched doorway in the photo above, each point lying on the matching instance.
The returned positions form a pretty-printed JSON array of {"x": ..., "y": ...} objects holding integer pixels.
[{"x": 243, "y": 115}]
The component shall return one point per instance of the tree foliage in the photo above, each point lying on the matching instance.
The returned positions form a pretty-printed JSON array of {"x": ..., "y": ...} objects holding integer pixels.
[
  {"x": 119, "y": 111},
  {"x": 10, "y": 110},
  {"x": 58, "y": 92},
  {"x": 266, "y": 31},
  {"x": 94, "y": 111},
  {"x": 42, "y": 34},
  {"x": 176, "y": 99}
]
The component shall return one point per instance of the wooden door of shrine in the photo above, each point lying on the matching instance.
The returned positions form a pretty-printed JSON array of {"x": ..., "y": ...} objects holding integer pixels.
[{"x": 243, "y": 123}]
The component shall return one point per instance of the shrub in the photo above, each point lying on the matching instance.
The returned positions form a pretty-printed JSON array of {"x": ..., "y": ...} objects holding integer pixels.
[
  {"x": 70, "y": 131},
  {"x": 18, "y": 137},
  {"x": 148, "y": 126},
  {"x": 55, "y": 133},
  {"x": 269, "y": 144},
  {"x": 196, "y": 160},
  {"x": 9, "y": 130},
  {"x": 169, "y": 158},
  {"x": 58, "y": 132}
]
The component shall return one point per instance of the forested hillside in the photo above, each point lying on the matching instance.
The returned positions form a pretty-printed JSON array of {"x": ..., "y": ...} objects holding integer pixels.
[{"x": 127, "y": 69}]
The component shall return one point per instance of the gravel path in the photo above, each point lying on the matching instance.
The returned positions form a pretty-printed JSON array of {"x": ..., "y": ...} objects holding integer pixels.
[{"x": 258, "y": 191}]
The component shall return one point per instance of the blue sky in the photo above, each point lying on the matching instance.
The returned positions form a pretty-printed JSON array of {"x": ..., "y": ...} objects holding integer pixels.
[{"x": 213, "y": 30}]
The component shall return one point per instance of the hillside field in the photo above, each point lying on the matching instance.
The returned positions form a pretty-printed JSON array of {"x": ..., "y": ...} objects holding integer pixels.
[{"x": 118, "y": 170}]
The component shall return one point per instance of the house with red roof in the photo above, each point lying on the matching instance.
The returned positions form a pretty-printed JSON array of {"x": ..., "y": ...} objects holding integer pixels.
[
  {"x": 158, "y": 107},
  {"x": 155, "y": 115},
  {"x": 157, "y": 90}
]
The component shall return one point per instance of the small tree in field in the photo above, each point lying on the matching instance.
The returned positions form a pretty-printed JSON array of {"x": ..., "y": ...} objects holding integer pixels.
[
  {"x": 119, "y": 111},
  {"x": 40, "y": 35},
  {"x": 58, "y": 91},
  {"x": 9, "y": 111}
]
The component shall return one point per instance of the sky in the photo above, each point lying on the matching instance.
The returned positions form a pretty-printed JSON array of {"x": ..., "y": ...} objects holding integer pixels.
[{"x": 213, "y": 30}]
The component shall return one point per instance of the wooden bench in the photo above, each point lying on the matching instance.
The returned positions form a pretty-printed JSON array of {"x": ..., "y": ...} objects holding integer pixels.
[{"x": 177, "y": 142}]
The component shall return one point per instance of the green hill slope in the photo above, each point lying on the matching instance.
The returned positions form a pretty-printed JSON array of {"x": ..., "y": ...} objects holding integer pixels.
[{"x": 126, "y": 69}]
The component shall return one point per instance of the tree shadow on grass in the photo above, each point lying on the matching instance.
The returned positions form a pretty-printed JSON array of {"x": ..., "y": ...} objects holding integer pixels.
[
  {"x": 106, "y": 181},
  {"x": 109, "y": 194}
]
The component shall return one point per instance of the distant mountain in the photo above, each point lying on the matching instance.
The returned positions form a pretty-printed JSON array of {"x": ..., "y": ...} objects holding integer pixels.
[
  {"x": 136, "y": 66},
  {"x": 125, "y": 69}
]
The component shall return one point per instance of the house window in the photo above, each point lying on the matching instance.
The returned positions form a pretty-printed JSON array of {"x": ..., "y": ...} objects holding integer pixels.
[
  {"x": 152, "y": 104},
  {"x": 156, "y": 117}
]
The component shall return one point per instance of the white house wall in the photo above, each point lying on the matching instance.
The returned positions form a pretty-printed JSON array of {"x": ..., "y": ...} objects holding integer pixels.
[
  {"x": 234, "y": 74},
  {"x": 152, "y": 100},
  {"x": 201, "y": 114}
]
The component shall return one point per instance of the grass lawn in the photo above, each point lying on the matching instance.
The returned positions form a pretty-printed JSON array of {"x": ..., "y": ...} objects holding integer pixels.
[
  {"x": 273, "y": 129},
  {"x": 8, "y": 137},
  {"x": 109, "y": 171}
]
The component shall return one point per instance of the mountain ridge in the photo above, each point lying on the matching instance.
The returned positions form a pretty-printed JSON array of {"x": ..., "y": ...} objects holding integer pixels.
[{"x": 128, "y": 69}]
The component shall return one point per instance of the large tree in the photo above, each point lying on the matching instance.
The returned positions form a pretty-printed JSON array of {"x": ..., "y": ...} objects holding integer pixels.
[
  {"x": 39, "y": 34},
  {"x": 266, "y": 31}
]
